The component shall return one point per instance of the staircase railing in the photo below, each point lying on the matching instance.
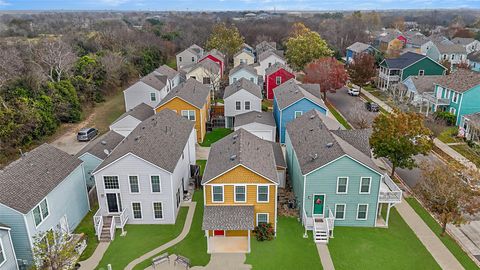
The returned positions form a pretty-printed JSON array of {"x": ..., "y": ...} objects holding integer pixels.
[
  {"x": 98, "y": 223},
  {"x": 112, "y": 229},
  {"x": 330, "y": 221}
]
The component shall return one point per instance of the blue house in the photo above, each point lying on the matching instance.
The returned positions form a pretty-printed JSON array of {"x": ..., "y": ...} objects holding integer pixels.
[
  {"x": 334, "y": 179},
  {"x": 8, "y": 259},
  {"x": 43, "y": 190},
  {"x": 474, "y": 61},
  {"x": 357, "y": 48},
  {"x": 291, "y": 100}
]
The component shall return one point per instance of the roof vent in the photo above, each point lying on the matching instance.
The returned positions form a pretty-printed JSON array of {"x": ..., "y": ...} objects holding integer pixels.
[
  {"x": 311, "y": 129},
  {"x": 312, "y": 116},
  {"x": 259, "y": 115},
  {"x": 233, "y": 157},
  {"x": 313, "y": 157},
  {"x": 106, "y": 152},
  {"x": 329, "y": 145},
  {"x": 103, "y": 142},
  {"x": 296, "y": 91},
  {"x": 235, "y": 136},
  {"x": 137, "y": 138}
]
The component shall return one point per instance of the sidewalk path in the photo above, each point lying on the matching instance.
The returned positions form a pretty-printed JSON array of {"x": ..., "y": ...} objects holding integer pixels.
[
  {"x": 183, "y": 234},
  {"x": 325, "y": 257},
  {"x": 97, "y": 255},
  {"x": 221, "y": 261},
  {"x": 454, "y": 154},
  {"x": 378, "y": 101},
  {"x": 440, "y": 253}
]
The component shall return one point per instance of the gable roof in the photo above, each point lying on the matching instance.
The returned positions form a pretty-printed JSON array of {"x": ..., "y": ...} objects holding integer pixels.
[
  {"x": 243, "y": 51},
  {"x": 159, "y": 140},
  {"x": 267, "y": 54},
  {"x": 315, "y": 145},
  {"x": 463, "y": 41},
  {"x": 278, "y": 153},
  {"x": 418, "y": 40},
  {"x": 275, "y": 67},
  {"x": 192, "y": 91},
  {"x": 207, "y": 64},
  {"x": 194, "y": 49},
  {"x": 451, "y": 48},
  {"x": 167, "y": 71},
  {"x": 474, "y": 119},
  {"x": 28, "y": 180},
  {"x": 474, "y": 56},
  {"x": 248, "y": 68},
  {"x": 241, "y": 148},
  {"x": 358, "y": 47},
  {"x": 217, "y": 54},
  {"x": 244, "y": 84},
  {"x": 403, "y": 60},
  {"x": 265, "y": 118},
  {"x": 154, "y": 80},
  {"x": 102, "y": 145},
  {"x": 265, "y": 46},
  {"x": 461, "y": 80},
  {"x": 290, "y": 92},
  {"x": 424, "y": 83},
  {"x": 141, "y": 112}
]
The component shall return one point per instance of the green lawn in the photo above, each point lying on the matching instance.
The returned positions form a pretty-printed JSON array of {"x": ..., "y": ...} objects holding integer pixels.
[
  {"x": 266, "y": 105},
  {"x": 194, "y": 246},
  {"x": 86, "y": 227},
  {"x": 202, "y": 164},
  {"x": 456, "y": 250},
  {"x": 139, "y": 240},
  {"x": 215, "y": 135},
  {"x": 449, "y": 135},
  {"x": 288, "y": 251},
  {"x": 378, "y": 248},
  {"x": 338, "y": 116}
]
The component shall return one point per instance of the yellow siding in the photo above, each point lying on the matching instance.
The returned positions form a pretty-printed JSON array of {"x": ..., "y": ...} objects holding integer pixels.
[
  {"x": 236, "y": 233},
  {"x": 240, "y": 175}
]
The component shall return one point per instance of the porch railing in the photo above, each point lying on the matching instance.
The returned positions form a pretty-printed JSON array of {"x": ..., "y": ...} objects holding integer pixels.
[
  {"x": 98, "y": 223},
  {"x": 330, "y": 221},
  {"x": 430, "y": 97},
  {"x": 393, "y": 194},
  {"x": 121, "y": 219},
  {"x": 112, "y": 229}
]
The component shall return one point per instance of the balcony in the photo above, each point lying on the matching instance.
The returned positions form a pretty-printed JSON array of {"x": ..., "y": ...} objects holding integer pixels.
[
  {"x": 392, "y": 78},
  {"x": 389, "y": 191},
  {"x": 430, "y": 97}
]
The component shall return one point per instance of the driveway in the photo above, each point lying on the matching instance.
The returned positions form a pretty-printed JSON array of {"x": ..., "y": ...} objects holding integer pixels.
[
  {"x": 68, "y": 142},
  {"x": 220, "y": 261}
]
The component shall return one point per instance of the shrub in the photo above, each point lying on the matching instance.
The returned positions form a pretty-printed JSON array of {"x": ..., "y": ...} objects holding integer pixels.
[
  {"x": 264, "y": 232},
  {"x": 449, "y": 118}
]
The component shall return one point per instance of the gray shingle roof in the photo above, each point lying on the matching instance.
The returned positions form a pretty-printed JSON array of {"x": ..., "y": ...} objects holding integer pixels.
[
  {"x": 225, "y": 217},
  {"x": 243, "y": 51},
  {"x": 265, "y": 46},
  {"x": 461, "y": 80},
  {"x": 275, "y": 67},
  {"x": 450, "y": 48},
  {"x": 474, "y": 56},
  {"x": 192, "y": 91},
  {"x": 241, "y": 148},
  {"x": 463, "y": 41},
  {"x": 28, "y": 180},
  {"x": 243, "y": 84},
  {"x": 267, "y": 54},
  {"x": 167, "y": 71},
  {"x": 217, "y": 54},
  {"x": 107, "y": 141},
  {"x": 290, "y": 92},
  {"x": 403, "y": 60},
  {"x": 279, "y": 157},
  {"x": 248, "y": 68},
  {"x": 195, "y": 49},
  {"x": 418, "y": 40},
  {"x": 474, "y": 119},
  {"x": 154, "y": 80},
  {"x": 265, "y": 118},
  {"x": 208, "y": 64},
  {"x": 141, "y": 112},
  {"x": 360, "y": 138},
  {"x": 358, "y": 47},
  {"x": 315, "y": 145},
  {"x": 425, "y": 83},
  {"x": 160, "y": 140}
]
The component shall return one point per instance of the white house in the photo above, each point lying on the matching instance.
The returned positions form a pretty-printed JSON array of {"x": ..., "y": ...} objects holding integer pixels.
[
  {"x": 241, "y": 97},
  {"x": 470, "y": 44},
  {"x": 206, "y": 71},
  {"x": 243, "y": 57},
  {"x": 150, "y": 90},
  {"x": 189, "y": 56},
  {"x": 173, "y": 76},
  {"x": 267, "y": 59},
  {"x": 144, "y": 179},
  {"x": 129, "y": 120},
  {"x": 243, "y": 71},
  {"x": 261, "y": 124},
  {"x": 454, "y": 53}
]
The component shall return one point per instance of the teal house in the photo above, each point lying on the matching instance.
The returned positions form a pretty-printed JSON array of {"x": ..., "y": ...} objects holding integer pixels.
[
  {"x": 334, "y": 179},
  {"x": 43, "y": 190},
  {"x": 457, "y": 93}
]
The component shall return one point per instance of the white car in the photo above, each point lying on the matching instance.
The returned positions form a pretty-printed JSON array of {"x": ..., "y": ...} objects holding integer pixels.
[{"x": 353, "y": 91}]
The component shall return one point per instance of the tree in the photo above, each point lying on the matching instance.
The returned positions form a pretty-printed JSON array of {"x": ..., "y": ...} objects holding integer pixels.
[
  {"x": 65, "y": 100},
  {"x": 327, "y": 72},
  {"x": 304, "y": 46},
  {"x": 448, "y": 65},
  {"x": 11, "y": 64},
  {"x": 362, "y": 69},
  {"x": 399, "y": 136},
  {"x": 359, "y": 117},
  {"x": 54, "y": 250},
  {"x": 395, "y": 48},
  {"x": 226, "y": 39},
  {"x": 399, "y": 23},
  {"x": 54, "y": 56},
  {"x": 449, "y": 191}
]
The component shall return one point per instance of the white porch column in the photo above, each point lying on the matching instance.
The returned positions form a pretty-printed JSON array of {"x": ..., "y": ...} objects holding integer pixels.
[
  {"x": 388, "y": 213},
  {"x": 208, "y": 241},
  {"x": 248, "y": 241},
  {"x": 380, "y": 210}
]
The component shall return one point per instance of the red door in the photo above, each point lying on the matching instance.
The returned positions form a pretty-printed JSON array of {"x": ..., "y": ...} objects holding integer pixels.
[{"x": 218, "y": 233}]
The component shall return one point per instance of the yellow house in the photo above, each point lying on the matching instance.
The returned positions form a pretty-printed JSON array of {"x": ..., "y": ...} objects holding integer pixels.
[
  {"x": 190, "y": 100},
  {"x": 240, "y": 191},
  {"x": 243, "y": 57}
]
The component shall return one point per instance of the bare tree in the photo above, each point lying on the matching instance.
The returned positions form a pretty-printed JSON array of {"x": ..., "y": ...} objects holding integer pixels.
[
  {"x": 54, "y": 56},
  {"x": 11, "y": 64},
  {"x": 359, "y": 116},
  {"x": 54, "y": 250}
]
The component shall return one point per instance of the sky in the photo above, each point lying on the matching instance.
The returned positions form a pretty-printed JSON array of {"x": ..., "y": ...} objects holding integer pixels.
[{"x": 215, "y": 5}]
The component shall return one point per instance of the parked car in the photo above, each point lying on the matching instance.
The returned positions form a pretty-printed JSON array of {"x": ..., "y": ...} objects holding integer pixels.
[
  {"x": 372, "y": 106},
  {"x": 86, "y": 134},
  {"x": 353, "y": 91}
]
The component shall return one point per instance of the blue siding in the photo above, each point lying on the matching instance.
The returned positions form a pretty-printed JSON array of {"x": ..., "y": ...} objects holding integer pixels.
[
  {"x": 9, "y": 253},
  {"x": 349, "y": 56},
  {"x": 90, "y": 162},
  {"x": 295, "y": 175},
  {"x": 21, "y": 243},
  {"x": 475, "y": 66},
  {"x": 469, "y": 103},
  {"x": 288, "y": 114}
]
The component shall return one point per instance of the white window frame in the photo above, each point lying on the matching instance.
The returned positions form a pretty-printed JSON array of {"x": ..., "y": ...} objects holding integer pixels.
[
  {"x": 153, "y": 210},
  {"x": 421, "y": 72},
  {"x": 344, "y": 211},
  {"x": 133, "y": 211},
  {"x": 186, "y": 114},
  {"x": 268, "y": 194},
  {"x": 2, "y": 251},
  {"x": 238, "y": 105},
  {"x": 193, "y": 59},
  {"x": 153, "y": 96},
  {"x": 346, "y": 186},
  {"x": 159, "y": 183},
  {"x": 41, "y": 212},
  {"x": 455, "y": 97},
  {"x": 179, "y": 59},
  {"x": 369, "y": 185},
  {"x": 234, "y": 79},
  {"x": 130, "y": 184},
  {"x": 295, "y": 114},
  {"x": 256, "y": 219},
  {"x": 249, "y": 105},
  {"x": 235, "y": 193},
  {"x": 358, "y": 211},
  {"x": 453, "y": 110},
  {"x": 223, "y": 194},
  {"x": 278, "y": 80},
  {"x": 118, "y": 180}
]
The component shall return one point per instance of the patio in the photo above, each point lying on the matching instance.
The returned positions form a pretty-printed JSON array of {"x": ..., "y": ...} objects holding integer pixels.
[{"x": 228, "y": 244}]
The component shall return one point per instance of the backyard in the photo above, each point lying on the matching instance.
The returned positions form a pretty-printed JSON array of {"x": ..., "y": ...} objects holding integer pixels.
[
  {"x": 86, "y": 227},
  {"x": 139, "y": 240},
  {"x": 215, "y": 135},
  {"x": 378, "y": 248}
]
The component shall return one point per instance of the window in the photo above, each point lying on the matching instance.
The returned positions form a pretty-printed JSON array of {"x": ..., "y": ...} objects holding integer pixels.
[
  {"x": 247, "y": 105},
  {"x": 234, "y": 80},
  {"x": 217, "y": 193},
  {"x": 110, "y": 182},
  {"x": 243, "y": 61},
  {"x": 298, "y": 114},
  {"x": 453, "y": 56},
  {"x": 153, "y": 97},
  {"x": 262, "y": 218},
  {"x": 252, "y": 79},
  {"x": 3, "y": 258},
  {"x": 238, "y": 105},
  {"x": 180, "y": 59},
  {"x": 455, "y": 97},
  {"x": 269, "y": 64},
  {"x": 278, "y": 80},
  {"x": 421, "y": 72},
  {"x": 365, "y": 185},
  {"x": 133, "y": 180},
  {"x": 157, "y": 210},
  {"x": 240, "y": 193},
  {"x": 137, "y": 210},
  {"x": 340, "y": 211},
  {"x": 193, "y": 59},
  {"x": 453, "y": 110},
  {"x": 206, "y": 80},
  {"x": 444, "y": 57},
  {"x": 189, "y": 114},
  {"x": 155, "y": 181},
  {"x": 262, "y": 193},
  {"x": 40, "y": 212},
  {"x": 362, "y": 211},
  {"x": 342, "y": 185}
]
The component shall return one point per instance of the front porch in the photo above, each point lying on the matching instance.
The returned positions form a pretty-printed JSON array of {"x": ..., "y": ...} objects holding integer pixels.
[
  {"x": 106, "y": 223},
  {"x": 389, "y": 195},
  {"x": 227, "y": 244}
]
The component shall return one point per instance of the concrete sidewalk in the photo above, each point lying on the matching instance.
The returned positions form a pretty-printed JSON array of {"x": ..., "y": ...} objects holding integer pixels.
[
  {"x": 440, "y": 253},
  {"x": 96, "y": 257},
  {"x": 202, "y": 152},
  {"x": 325, "y": 257},
  {"x": 454, "y": 154},
  {"x": 380, "y": 102}
]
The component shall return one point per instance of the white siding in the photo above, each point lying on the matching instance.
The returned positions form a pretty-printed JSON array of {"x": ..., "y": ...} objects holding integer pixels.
[
  {"x": 260, "y": 130},
  {"x": 245, "y": 56},
  {"x": 186, "y": 59},
  {"x": 242, "y": 96},
  {"x": 140, "y": 92},
  {"x": 272, "y": 59},
  {"x": 125, "y": 125},
  {"x": 243, "y": 74}
]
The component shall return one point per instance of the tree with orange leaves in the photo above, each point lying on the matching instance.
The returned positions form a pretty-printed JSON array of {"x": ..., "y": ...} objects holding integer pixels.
[{"x": 327, "y": 72}]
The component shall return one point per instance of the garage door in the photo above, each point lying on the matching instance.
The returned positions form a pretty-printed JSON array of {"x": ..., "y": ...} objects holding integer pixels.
[{"x": 264, "y": 134}]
